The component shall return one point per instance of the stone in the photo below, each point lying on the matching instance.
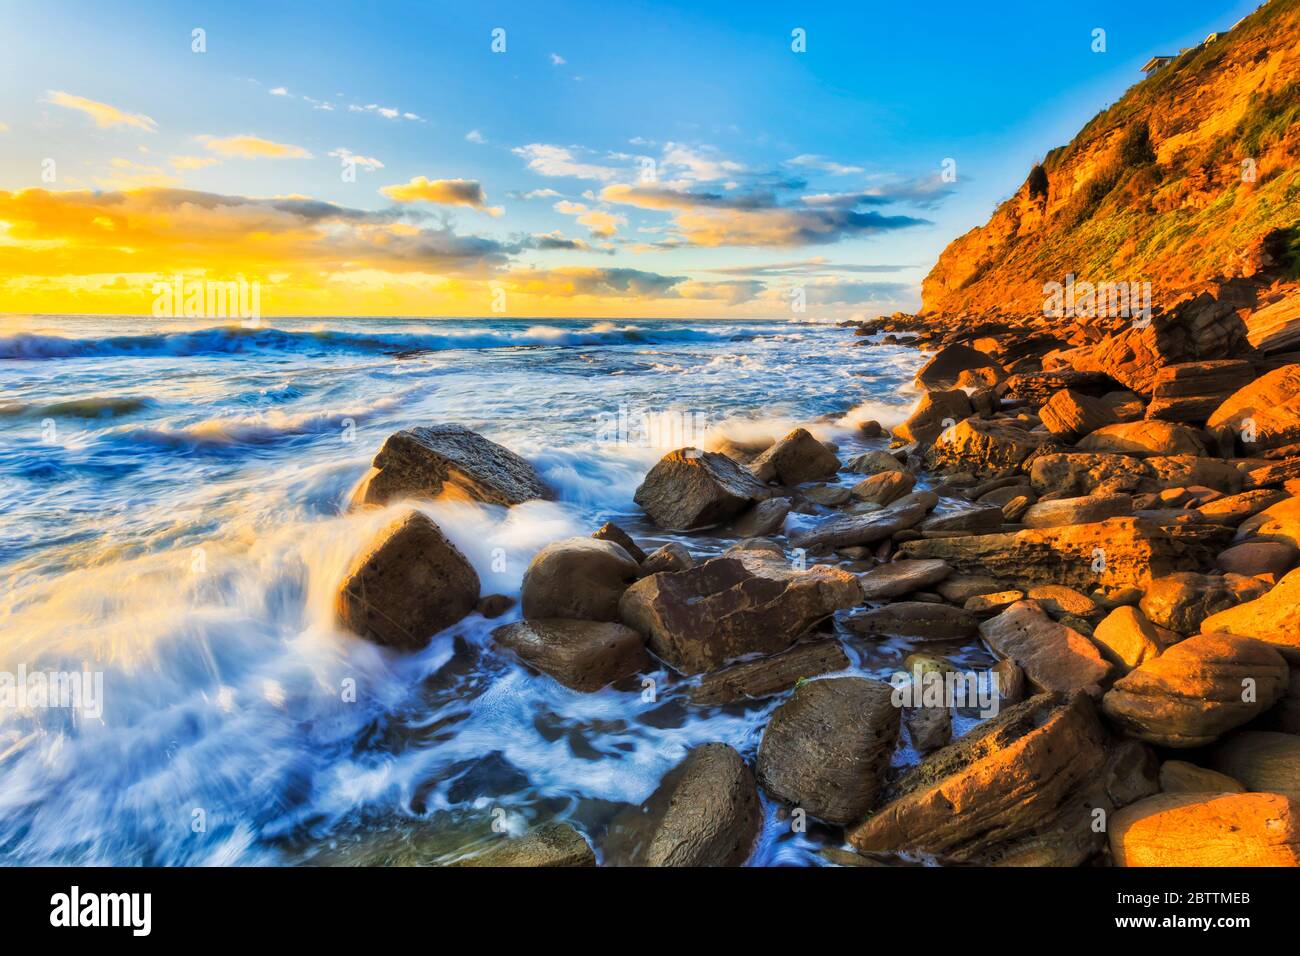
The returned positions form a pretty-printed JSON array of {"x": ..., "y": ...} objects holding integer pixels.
[
  {"x": 762, "y": 518},
  {"x": 1273, "y": 618},
  {"x": 971, "y": 521},
  {"x": 902, "y": 577},
  {"x": 1278, "y": 522},
  {"x": 1259, "y": 557},
  {"x": 994, "y": 603},
  {"x": 690, "y": 489},
  {"x": 670, "y": 557},
  {"x": 935, "y": 412},
  {"x": 1127, "y": 639},
  {"x": 1263, "y": 760},
  {"x": 795, "y": 459},
  {"x": 1275, "y": 327},
  {"x": 944, "y": 368},
  {"x": 1081, "y": 473},
  {"x": 555, "y": 844},
  {"x": 437, "y": 460},
  {"x": 1191, "y": 391},
  {"x": 753, "y": 680},
  {"x": 725, "y": 608},
  {"x": 884, "y": 488},
  {"x": 494, "y": 605},
  {"x": 1086, "y": 510},
  {"x": 998, "y": 497},
  {"x": 1179, "y": 776},
  {"x": 1010, "y": 680},
  {"x": 1232, "y": 510},
  {"x": 982, "y": 448},
  {"x": 1053, "y": 656},
  {"x": 1264, "y": 414},
  {"x": 704, "y": 813},
  {"x": 826, "y": 749},
  {"x": 848, "y": 530},
  {"x": 1059, "y": 601},
  {"x": 1036, "y": 388},
  {"x": 1182, "y": 601},
  {"x": 959, "y": 588},
  {"x": 1015, "y": 510},
  {"x": 582, "y": 655},
  {"x": 1069, "y": 415},
  {"x": 406, "y": 585},
  {"x": 919, "y": 620},
  {"x": 874, "y": 462},
  {"x": 1202, "y": 829},
  {"x": 578, "y": 579},
  {"x": 1144, "y": 438},
  {"x": 929, "y": 728},
  {"x": 1193, "y": 693},
  {"x": 828, "y": 496},
  {"x": 612, "y": 532}
]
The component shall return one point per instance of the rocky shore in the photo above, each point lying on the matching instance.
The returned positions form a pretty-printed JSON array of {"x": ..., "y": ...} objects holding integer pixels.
[{"x": 1112, "y": 513}]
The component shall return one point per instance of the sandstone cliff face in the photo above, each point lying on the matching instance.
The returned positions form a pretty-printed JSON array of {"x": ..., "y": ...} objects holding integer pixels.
[{"x": 1191, "y": 176}]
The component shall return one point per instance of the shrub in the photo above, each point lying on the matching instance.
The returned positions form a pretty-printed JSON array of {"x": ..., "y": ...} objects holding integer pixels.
[
  {"x": 1135, "y": 148},
  {"x": 1038, "y": 182}
]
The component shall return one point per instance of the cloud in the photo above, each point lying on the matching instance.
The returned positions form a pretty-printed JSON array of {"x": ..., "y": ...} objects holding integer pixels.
[
  {"x": 602, "y": 224},
  {"x": 279, "y": 91},
  {"x": 816, "y": 265},
  {"x": 696, "y": 164},
  {"x": 104, "y": 115},
  {"x": 345, "y": 155},
  {"x": 128, "y": 174},
  {"x": 822, "y": 164},
  {"x": 557, "y": 60},
  {"x": 540, "y": 194},
  {"x": 560, "y": 161},
  {"x": 193, "y": 162},
  {"x": 474, "y": 136},
  {"x": 446, "y": 192},
  {"x": 246, "y": 146}
]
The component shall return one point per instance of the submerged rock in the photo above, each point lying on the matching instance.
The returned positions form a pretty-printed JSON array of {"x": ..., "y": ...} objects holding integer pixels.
[
  {"x": 689, "y": 489},
  {"x": 555, "y": 844},
  {"x": 766, "y": 676}
]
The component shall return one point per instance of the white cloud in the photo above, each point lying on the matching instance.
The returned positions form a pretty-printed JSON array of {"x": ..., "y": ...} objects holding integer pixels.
[
  {"x": 557, "y": 60},
  {"x": 560, "y": 161},
  {"x": 474, "y": 136},
  {"x": 812, "y": 161},
  {"x": 279, "y": 91},
  {"x": 697, "y": 164},
  {"x": 345, "y": 155}
]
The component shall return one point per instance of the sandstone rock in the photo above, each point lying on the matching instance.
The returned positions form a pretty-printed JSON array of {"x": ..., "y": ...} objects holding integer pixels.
[
  {"x": 919, "y": 620},
  {"x": 1264, "y": 414},
  {"x": 577, "y": 578},
  {"x": 743, "y": 450},
  {"x": 946, "y": 366},
  {"x": 1144, "y": 438},
  {"x": 1036, "y": 388},
  {"x": 583, "y": 655},
  {"x": 671, "y": 557},
  {"x": 1273, "y": 618},
  {"x": 1182, "y": 601},
  {"x": 1079, "y": 473},
  {"x": 704, "y": 813},
  {"x": 612, "y": 532},
  {"x": 982, "y": 447},
  {"x": 1010, "y": 679},
  {"x": 555, "y": 844},
  {"x": 933, "y": 413},
  {"x": 1179, "y": 776},
  {"x": 874, "y": 462},
  {"x": 959, "y": 588},
  {"x": 847, "y": 530},
  {"x": 1276, "y": 327},
  {"x": 1000, "y": 793},
  {"x": 1200, "y": 829},
  {"x": 1069, "y": 415},
  {"x": 766, "y": 676},
  {"x": 884, "y": 488},
  {"x": 1263, "y": 760},
  {"x": 994, "y": 603},
  {"x": 727, "y": 607},
  {"x": 406, "y": 585},
  {"x": 1054, "y": 657},
  {"x": 902, "y": 577},
  {"x": 1232, "y": 510},
  {"x": 763, "y": 518},
  {"x": 1015, "y": 509},
  {"x": 1085, "y": 510},
  {"x": 693, "y": 489},
  {"x": 796, "y": 458},
  {"x": 1127, "y": 639},
  {"x": 1193, "y": 693},
  {"x": 1191, "y": 391},
  {"x": 972, "y": 521},
  {"x": 828, "y": 496},
  {"x": 1278, "y": 522},
  {"x": 1259, "y": 557},
  {"x": 1060, "y": 601},
  {"x": 929, "y": 728},
  {"x": 437, "y": 460},
  {"x": 827, "y": 748},
  {"x": 494, "y": 605}
]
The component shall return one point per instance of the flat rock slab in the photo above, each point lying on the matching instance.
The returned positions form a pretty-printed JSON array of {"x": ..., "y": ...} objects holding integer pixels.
[
  {"x": 1054, "y": 657},
  {"x": 583, "y": 655},
  {"x": 902, "y": 577},
  {"x": 849, "y": 530},
  {"x": 1082, "y": 510},
  {"x": 690, "y": 488},
  {"x": 1273, "y": 618},
  {"x": 436, "y": 460},
  {"x": 752, "y": 680},
  {"x": 555, "y": 844},
  {"x": 1200, "y": 829},
  {"x": 826, "y": 749},
  {"x": 919, "y": 620}
]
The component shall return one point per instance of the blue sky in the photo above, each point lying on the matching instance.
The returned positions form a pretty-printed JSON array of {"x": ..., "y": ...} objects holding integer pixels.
[{"x": 752, "y": 143}]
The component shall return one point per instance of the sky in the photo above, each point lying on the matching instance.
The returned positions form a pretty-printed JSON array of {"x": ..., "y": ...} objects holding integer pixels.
[{"x": 603, "y": 160}]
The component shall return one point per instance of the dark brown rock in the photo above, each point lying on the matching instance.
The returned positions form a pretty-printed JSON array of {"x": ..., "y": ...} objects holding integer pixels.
[
  {"x": 693, "y": 489},
  {"x": 919, "y": 620},
  {"x": 555, "y": 844},
  {"x": 1054, "y": 657},
  {"x": 902, "y": 577},
  {"x": 796, "y": 458},
  {"x": 577, "y": 578},
  {"x": 583, "y": 655},
  {"x": 766, "y": 676}
]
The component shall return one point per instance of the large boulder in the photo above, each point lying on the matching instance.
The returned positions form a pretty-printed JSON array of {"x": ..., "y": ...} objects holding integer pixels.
[
  {"x": 1054, "y": 657},
  {"x": 1144, "y": 438},
  {"x": 1127, "y": 639},
  {"x": 577, "y": 578},
  {"x": 753, "y": 680},
  {"x": 1259, "y": 557},
  {"x": 1279, "y": 521},
  {"x": 690, "y": 488},
  {"x": 796, "y": 458},
  {"x": 1233, "y": 510},
  {"x": 983, "y": 448},
  {"x": 884, "y": 488},
  {"x": 406, "y": 585},
  {"x": 1069, "y": 415},
  {"x": 1119, "y": 552},
  {"x": 1273, "y": 618},
  {"x": 1264, "y": 414},
  {"x": 850, "y": 529},
  {"x": 1263, "y": 760},
  {"x": 1082, "y": 473},
  {"x": 1182, "y": 601},
  {"x": 1179, "y": 776},
  {"x": 437, "y": 460},
  {"x": 902, "y": 577},
  {"x": 933, "y": 413},
  {"x": 762, "y": 518},
  {"x": 1197, "y": 690},
  {"x": 699, "y": 619},
  {"x": 945, "y": 367},
  {"x": 1191, "y": 391},
  {"x": 1056, "y": 512},
  {"x": 1207, "y": 829},
  {"x": 827, "y": 748},
  {"x": 554, "y": 844},
  {"x": 583, "y": 655},
  {"x": 704, "y": 813}
]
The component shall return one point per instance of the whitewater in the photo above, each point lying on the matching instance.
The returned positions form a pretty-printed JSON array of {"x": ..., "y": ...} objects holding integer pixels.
[{"x": 174, "y": 519}]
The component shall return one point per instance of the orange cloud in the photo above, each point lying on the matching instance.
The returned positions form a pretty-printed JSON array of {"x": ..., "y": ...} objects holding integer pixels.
[
  {"x": 103, "y": 114},
  {"x": 246, "y": 146},
  {"x": 446, "y": 192}
]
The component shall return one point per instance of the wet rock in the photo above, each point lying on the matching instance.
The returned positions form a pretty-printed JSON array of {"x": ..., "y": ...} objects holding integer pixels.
[
  {"x": 693, "y": 489},
  {"x": 583, "y": 655},
  {"x": 577, "y": 578},
  {"x": 847, "y": 530},
  {"x": 982, "y": 447},
  {"x": 704, "y": 813},
  {"x": 874, "y": 462},
  {"x": 929, "y": 728},
  {"x": 1264, "y": 414},
  {"x": 1182, "y": 601},
  {"x": 763, "y": 518},
  {"x": 919, "y": 620},
  {"x": 1273, "y": 618},
  {"x": 406, "y": 585},
  {"x": 828, "y": 496},
  {"x": 972, "y": 521},
  {"x": 796, "y": 458},
  {"x": 1262, "y": 760},
  {"x": 494, "y": 605},
  {"x": 1011, "y": 680},
  {"x": 827, "y": 748},
  {"x": 555, "y": 844},
  {"x": 884, "y": 488},
  {"x": 671, "y": 557},
  {"x": 612, "y": 532},
  {"x": 1197, "y": 690},
  {"x": 935, "y": 412},
  {"x": 1179, "y": 776},
  {"x": 1053, "y": 656},
  {"x": 1127, "y": 639},
  {"x": 1259, "y": 557},
  {"x": 944, "y": 368},
  {"x": 1068, "y": 415},
  {"x": 1201, "y": 829},
  {"x": 433, "y": 461},
  {"x": 727, "y": 607},
  {"x": 766, "y": 676},
  {"x": 902, "y": 577}
]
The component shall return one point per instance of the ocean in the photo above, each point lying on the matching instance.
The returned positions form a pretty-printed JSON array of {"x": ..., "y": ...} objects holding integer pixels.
[{"x": 174, "y": 521}]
